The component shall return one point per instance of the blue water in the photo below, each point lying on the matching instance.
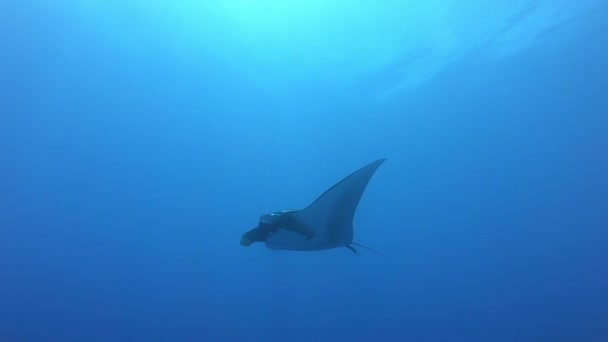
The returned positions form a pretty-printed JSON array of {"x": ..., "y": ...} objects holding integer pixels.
[{"x": 140, "y": 139}]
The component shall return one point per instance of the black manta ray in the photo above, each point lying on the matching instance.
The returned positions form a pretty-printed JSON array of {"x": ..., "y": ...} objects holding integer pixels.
[{"x": 325, "y": 224}]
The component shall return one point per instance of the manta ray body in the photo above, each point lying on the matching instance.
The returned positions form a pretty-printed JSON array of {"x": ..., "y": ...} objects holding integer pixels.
[{"x": 324, "y": 224}]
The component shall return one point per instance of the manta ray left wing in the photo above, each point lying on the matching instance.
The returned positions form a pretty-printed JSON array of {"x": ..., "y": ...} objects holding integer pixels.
[{"x": 330, "y": 217}]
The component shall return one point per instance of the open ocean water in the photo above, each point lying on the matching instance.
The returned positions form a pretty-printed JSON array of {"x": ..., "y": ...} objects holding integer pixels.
[{"x": 140, "y": 139}]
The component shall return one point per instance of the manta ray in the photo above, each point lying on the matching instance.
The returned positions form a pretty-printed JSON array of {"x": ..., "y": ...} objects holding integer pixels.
[{"x": 324, "y": 224}]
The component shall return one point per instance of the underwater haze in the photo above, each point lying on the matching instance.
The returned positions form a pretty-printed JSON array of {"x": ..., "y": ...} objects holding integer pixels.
[{"x": 139, "y": 140}]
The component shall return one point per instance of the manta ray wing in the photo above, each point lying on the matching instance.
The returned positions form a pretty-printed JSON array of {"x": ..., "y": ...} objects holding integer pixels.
[{"x": 330, "y": 216}]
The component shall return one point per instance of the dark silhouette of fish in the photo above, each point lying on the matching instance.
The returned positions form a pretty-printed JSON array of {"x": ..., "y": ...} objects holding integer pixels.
[{"x": 325, "y": 224}]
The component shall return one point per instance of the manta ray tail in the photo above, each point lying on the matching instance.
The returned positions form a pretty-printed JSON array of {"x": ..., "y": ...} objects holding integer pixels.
[{"x": 369, "y": 249}]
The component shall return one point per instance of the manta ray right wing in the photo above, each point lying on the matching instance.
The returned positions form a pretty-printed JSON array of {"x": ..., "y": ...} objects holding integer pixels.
[{"x": 328, "y": 221}]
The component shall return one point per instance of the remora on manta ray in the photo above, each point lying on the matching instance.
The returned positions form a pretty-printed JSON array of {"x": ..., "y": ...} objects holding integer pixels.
[{"x": 325, "y": 224}]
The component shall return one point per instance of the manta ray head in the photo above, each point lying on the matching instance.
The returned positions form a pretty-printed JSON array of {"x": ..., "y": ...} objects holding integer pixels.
[{"x": 268, "y": 224}]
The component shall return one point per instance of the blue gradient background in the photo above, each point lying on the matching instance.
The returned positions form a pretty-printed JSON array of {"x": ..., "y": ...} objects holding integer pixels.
[{"x": 140, "y": 139}]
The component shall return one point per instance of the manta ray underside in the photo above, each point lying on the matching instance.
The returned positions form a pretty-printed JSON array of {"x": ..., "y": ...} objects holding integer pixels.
[{"x": 326, "y": 223}]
